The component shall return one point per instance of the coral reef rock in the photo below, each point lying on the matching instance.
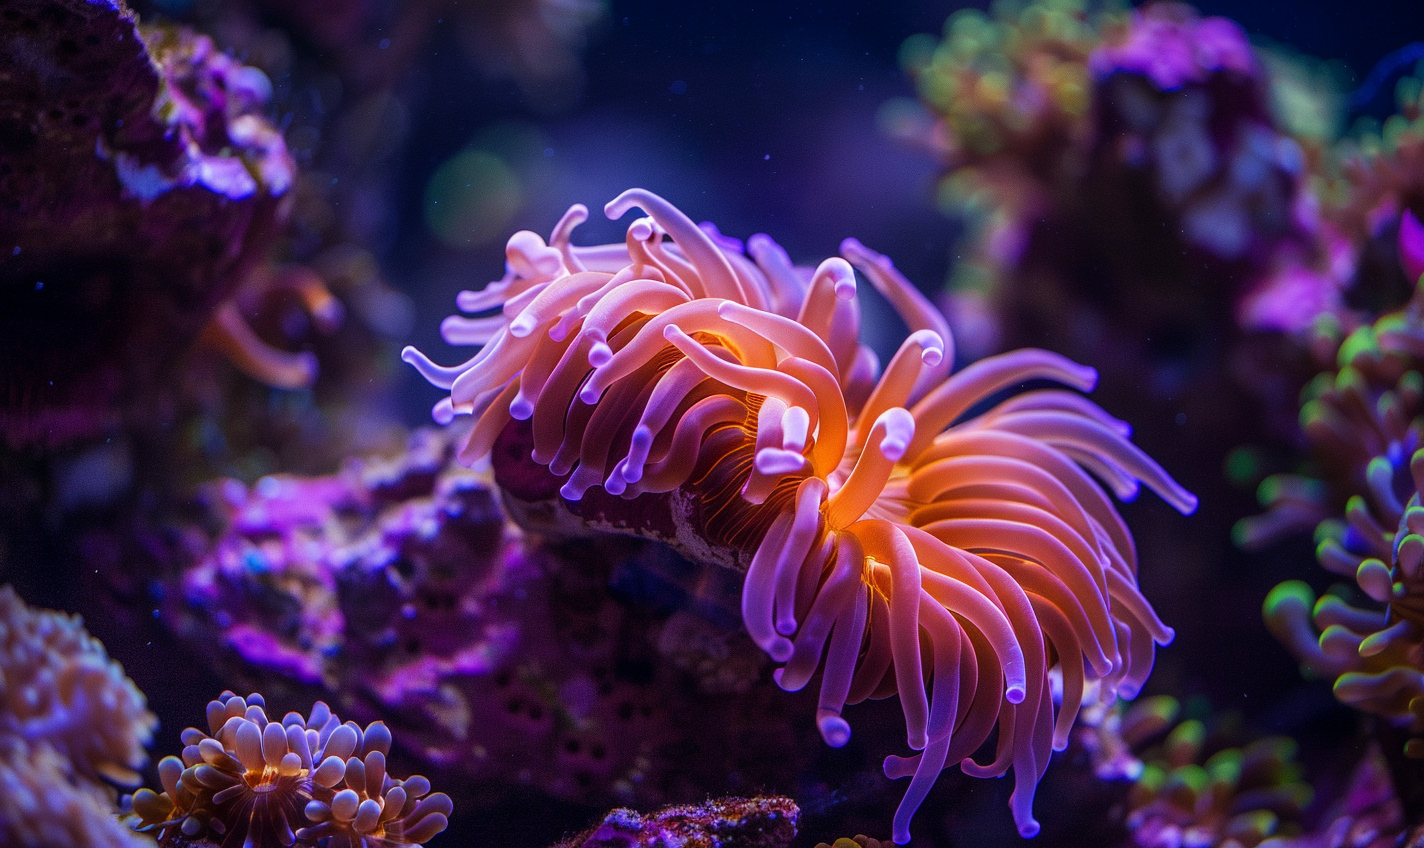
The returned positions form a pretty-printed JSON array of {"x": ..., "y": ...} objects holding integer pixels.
[
  {"x": 139, "y": 183},
  {"x": 768, "y": 822}
]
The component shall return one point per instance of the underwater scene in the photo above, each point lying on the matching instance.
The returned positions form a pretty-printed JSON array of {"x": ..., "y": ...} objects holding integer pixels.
[{"x": 616, "y": 424}]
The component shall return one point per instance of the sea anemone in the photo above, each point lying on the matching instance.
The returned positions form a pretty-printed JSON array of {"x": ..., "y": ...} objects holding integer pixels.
[
  {"x": 947, "y": 557},
  {"x": 59, "y": 687},
  {"x": 260, "y": 782}
]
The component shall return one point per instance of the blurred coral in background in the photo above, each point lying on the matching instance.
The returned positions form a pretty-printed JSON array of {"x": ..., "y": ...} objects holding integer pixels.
[{"x": 73, "y": 729}]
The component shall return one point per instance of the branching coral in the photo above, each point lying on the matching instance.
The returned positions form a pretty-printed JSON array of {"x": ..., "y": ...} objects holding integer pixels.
[
  {"x": 58, "y": 687},
  {"x": 251, "y": 781},
  {"x": 880, "y": 520}
]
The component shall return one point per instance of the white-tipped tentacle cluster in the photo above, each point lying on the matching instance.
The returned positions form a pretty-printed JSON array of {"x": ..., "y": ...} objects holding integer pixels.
[{"x": 254, "y": 781}]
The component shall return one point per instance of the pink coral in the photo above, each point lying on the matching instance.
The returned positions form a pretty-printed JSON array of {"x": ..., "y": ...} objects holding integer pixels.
[
  {"x": 71, "y": 725},
  {"x": 870, "y": 508},
  {"x": 44, "y": 803}
]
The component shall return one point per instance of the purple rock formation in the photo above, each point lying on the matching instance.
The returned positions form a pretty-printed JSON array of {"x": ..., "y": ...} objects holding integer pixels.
[
  {"x": 1184, "y": 117},
  {"x": 138, "y": 185},
  {"x": 768, "y": 822},
  {"x": 397, "y": 590}
]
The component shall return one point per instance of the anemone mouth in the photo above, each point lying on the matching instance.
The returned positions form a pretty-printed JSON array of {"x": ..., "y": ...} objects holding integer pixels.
[
  {"x": 268, "y": 782},
  {"x": 906, "y": 533}
]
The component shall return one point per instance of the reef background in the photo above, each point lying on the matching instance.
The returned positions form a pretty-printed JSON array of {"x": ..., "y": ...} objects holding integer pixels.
[{"x": 763, "y": 118}]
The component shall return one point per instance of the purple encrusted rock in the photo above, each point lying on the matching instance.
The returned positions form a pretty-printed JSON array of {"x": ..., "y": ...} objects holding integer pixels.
[
  {"x": 572, "y": 666},
  {"x": 1183, "y": 107},
  {"x": 139, "y": 184},
  {"x": 765, "y": 822}
]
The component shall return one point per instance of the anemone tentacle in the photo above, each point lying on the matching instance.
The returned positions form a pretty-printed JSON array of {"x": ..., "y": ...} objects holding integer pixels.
[{"x": 895, "y": 539}]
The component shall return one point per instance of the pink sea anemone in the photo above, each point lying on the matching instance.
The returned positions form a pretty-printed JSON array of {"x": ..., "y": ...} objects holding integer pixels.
[{"x": 896, "y": 542}]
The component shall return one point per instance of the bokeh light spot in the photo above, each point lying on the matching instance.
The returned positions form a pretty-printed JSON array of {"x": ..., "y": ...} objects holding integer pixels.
[{"x": 471, "y": 198}]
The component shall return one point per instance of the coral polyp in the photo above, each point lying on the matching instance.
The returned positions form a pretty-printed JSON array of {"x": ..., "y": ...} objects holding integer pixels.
[
  {"x": 300, "y": 781},
  {"x": 1372, "y": 654},
  {"x": 891, "y": 538}
]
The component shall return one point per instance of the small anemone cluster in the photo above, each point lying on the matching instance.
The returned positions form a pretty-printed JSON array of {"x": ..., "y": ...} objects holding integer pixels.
[
  {"x": 860, "y": 840},
  {"x": 301, "y": 781},
  {"x": 890, "y": 537}
]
